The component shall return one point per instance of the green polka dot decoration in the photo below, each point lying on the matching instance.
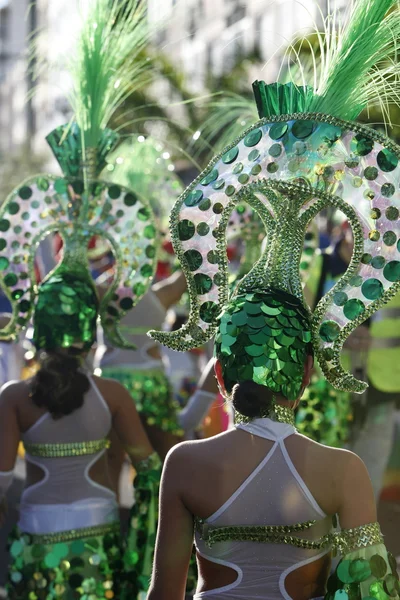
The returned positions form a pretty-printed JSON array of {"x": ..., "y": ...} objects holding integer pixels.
[
  {"x": 353, "y": 309},
  {"x": 361, "y": 145},
  {"x": 329, "y": 331},
  {"x": 372, "y": 289}
]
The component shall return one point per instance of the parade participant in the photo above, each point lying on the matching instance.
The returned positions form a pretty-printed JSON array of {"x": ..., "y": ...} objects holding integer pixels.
[
  {"x": 272, "y": 493},
  {"x": 68, "y": 542}
]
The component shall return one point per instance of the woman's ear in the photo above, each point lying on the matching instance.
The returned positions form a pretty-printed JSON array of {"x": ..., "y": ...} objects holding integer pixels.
[
  {"x": 308, "y": 367},
  {"x": 220, "y": 379}
]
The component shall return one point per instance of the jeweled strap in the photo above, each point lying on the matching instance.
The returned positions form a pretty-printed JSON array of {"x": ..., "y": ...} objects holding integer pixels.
[
  {"x": 76, "y": 534},
  {"x": 281, "y": 414},
  {"x": 65, "y": 450},
  {"x": 267, "y": 534},
  {"x": 349, "y": 540}
]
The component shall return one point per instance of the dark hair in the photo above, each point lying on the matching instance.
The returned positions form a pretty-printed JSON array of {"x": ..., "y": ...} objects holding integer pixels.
[
  {"x": 251, "y": 399},
  {"x": 59, "y": 385}
]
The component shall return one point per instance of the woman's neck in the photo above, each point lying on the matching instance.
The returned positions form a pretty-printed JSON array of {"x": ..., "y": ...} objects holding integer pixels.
[{"x": 279, "y": 413}]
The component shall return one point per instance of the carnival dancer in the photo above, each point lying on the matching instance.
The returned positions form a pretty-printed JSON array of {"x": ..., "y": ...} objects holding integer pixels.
[
  {"x": 262, "y": 497},
  {"x": 68, "y": 543}
]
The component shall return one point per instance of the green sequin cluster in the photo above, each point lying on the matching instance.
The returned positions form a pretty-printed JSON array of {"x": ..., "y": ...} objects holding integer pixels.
[
  {"x": 264, "y": 336},
  {"x": 82, "y": 564},
  {"x": 65, "y": 312},
  {"x": 152, "y": 394}
]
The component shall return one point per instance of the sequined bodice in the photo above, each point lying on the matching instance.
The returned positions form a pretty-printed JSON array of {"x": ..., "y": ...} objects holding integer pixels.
[{"x": 268, "y": 527}]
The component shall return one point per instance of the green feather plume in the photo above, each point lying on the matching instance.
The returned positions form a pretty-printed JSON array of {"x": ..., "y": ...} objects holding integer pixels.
[
  {"x": 110, "y": 63},
  {"x": 351, "y": 64}
]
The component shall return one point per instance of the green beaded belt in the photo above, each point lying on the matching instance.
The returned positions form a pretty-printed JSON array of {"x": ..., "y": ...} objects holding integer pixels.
[
  {"x": 65, "y": 450},
  {"x": 76, "y": 534},
  {"x": 272, "y": 534}
]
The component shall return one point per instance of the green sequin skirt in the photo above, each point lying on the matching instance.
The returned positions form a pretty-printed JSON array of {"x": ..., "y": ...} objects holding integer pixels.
[
  {"x": 152, "y": 393},
  {"x": 83, "y": 564}
]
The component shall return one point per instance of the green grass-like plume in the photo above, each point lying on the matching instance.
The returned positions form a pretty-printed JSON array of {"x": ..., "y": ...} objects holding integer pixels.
[{"x": 110, "y": 62}]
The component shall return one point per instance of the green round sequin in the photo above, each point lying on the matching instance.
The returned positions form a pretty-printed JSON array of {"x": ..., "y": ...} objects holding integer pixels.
[
  {"x": 299, "y": 148},
  {"x": 372, "y": 289},
  {"x": 203, "y": 283},
  {"x": 149, "y": 232},
  {"x": 391, "y": 585},
  {"x": 212, "y": 257},
  {"x": 303, "y": 129},
  {"x": 356, "y": 281},
  {"x": 329, "y": 331},
  {"x": 218, "y": 208},
  {"x": 256, "y": 170},
  {"x": 371, "y": 173},
  {"x": 25, "y": 192},
  {"x": 359, "y": 570},
  {"x": 374, "y": 235},
  {"x": 253, "y": 138},
  {"x": 272, "y": 167},
  {"x": 3, "y": 244},
  {"x": 78, "y": 186},
  {"x": 24, "y": 306},
  {"x": 4, "y": 263},
  {"x": 278, "y": 130},
  {"x": 392, "y": 213},
  {"x": 392, "y": 271},
  {"x": 194, "y": 259},
  {"x": 378, "y": 262},
  {"x": 203, "y": 229},
  {"x": 17, "y": 294},
  {"x": 126, "y": 303},
  {"x": 254, "y": 154},
  {"x": 194, "y": 198},
  {"x": 144, "y": 214},
  {"x": 378, "y": 566},
  {"x": 361, "y": 145},
  {"x": 230, "y": 156},
  {"x": 4, "y": 225},
  {"x": 352, "y": 162},
  {"x": 389, "y": 238},
  {"x": 238, "y": 168},
  {"x": 130, "y": 199},
  {"x": 114, "y": 191},
  {"x": 387, "y": 190},
  {"x": 10, "y": 279},
  {"x": 13, "y": 208},
  {"x": 150, "y": 251},
  {"x": 210, "y": 177},
  {"x": 366, "y": 258},
  {"x": 146, "y": 270},
  {"x": 60, "y": 186},
  {"x": 186, "y": 230},
  {"x": 343, "y": 571},
  {"x": 230, "y": 190},
  {"x": 340, "y": 298},
  {"x": 375, "y": 214},
  {"x": 243, "y": 178},
  {"x": 353, "y": 309},
  {"x": 208, "y": 311},
  {"x": 387, "y": 160},
  {"x": 42, "y": 184},
  {"x": 275, "y": 150},
  {"x": 219, "y": 184},
  {"x": 139, "y": 289},
  {"x": 205, "y": 204}
]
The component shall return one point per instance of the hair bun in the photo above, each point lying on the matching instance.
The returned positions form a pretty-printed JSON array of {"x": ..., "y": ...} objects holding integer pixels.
[{"x": 251, "y": 399}]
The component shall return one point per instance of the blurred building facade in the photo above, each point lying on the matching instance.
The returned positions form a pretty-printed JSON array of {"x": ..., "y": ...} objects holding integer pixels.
[{"x": 209, "y": 36}]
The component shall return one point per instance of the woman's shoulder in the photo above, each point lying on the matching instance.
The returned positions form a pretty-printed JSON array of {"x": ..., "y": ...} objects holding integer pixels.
[{"x": 12, "y": 391}]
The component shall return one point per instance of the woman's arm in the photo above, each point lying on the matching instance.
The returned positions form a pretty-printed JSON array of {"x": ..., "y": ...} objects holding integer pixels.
[
  {"x": 126, "y": 421},
  {"x": 9, "y": 440},
  {"x": 175, "y": 533},
  {"x": 356, "y": 499}
]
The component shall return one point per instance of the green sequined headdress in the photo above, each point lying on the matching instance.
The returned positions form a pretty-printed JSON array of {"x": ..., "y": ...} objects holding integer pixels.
[
  {"x": 108, "y": 65},
  {"x": 306, "y": 153}
]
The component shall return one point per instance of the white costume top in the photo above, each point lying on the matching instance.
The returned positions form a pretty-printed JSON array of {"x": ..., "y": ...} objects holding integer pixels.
[{"x": 273, "y": 494}]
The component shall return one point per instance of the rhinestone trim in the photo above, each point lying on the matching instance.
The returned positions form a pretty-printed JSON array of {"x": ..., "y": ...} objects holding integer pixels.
[{"x": 65, "y": 450}]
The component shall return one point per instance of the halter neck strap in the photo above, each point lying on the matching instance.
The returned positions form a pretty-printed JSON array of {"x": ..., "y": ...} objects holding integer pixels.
[{"x": 268, "y": 429}]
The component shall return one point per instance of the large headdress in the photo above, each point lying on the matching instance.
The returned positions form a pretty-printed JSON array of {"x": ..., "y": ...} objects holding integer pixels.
[
  {"x": 306, "y": 153},
  {"x": 108, "y": 65}
]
